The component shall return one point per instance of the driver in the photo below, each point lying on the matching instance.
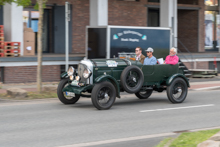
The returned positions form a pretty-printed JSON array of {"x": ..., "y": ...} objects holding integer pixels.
[{"x": 150, "y": 59}]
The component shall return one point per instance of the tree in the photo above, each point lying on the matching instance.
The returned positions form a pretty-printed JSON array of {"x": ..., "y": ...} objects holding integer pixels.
[
  {"x": 18, "y": 2},
  {"x": 40, "y": 5},
  {"x": 39, "y": 45}
]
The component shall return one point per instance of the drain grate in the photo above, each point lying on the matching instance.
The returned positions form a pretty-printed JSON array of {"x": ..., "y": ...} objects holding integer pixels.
[{"x": 182, "y": 131}]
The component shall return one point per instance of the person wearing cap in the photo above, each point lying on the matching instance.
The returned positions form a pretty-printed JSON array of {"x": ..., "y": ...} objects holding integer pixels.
[
  {"x": 150, "y": 59},
  {"x": 172, "y": 58},
  {"x": 139, "y": 56}
]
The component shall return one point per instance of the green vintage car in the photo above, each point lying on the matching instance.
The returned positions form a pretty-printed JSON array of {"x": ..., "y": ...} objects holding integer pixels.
[{"x": 104, "y": 79}]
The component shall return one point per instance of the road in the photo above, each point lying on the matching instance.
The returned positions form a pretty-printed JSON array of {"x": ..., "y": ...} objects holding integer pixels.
[{"x": 130, "y": 122}]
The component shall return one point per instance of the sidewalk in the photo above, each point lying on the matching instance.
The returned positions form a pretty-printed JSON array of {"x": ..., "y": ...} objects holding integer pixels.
[
  {"x": 195, "y": 84},
  {"x": 27, "y": 86}
]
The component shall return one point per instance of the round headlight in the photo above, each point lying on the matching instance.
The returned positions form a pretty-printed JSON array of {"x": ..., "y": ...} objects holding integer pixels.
[
  {"x": 71, "y": 77},
  {"x": 77, "y": 78},
  {"x": 86, "y": 73},
  {"x": 70, "y": 71}
]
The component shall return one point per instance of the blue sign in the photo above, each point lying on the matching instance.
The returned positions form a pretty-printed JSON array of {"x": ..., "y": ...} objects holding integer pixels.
[{"x": 126, "y": 40}]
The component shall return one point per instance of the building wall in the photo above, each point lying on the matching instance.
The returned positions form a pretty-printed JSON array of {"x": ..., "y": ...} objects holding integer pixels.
[
  {"x": 25, "y": 74},
  {"x": 127, "y": 13},
  {"x": 188, "y": 30},
  {"x": 134, "y": 13},
  {"x": 80, "y": 19},
  {"x": 197, "y": 65}
]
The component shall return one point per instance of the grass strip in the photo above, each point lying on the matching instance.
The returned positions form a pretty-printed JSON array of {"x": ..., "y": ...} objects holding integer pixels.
[
  {"x": 189, "y": 139},
  {"x": 164, "y": 142}
]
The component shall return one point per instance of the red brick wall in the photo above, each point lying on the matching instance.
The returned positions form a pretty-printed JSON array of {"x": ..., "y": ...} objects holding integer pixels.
[
  {"x": 127, "y": 13},
  {"x": 25, "y": 74},
  {"x": 197, "y": 65},
  {"x": 188, "y": 30}
]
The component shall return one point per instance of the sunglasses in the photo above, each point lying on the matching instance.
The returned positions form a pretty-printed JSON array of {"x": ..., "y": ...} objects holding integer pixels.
[
  {"x": 148, "y": 52},
  {"x": 136, "y": 50}
]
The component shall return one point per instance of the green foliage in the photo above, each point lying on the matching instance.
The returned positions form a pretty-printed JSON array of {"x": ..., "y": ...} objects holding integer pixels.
[
  {"x": 164, "y": 142},
  {"x": 18, "y": 2},
  {"x": 36, "y": 7}
]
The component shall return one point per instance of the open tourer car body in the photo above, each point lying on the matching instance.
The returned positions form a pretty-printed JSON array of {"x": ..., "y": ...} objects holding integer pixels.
[{"x": 104, "y": 79}]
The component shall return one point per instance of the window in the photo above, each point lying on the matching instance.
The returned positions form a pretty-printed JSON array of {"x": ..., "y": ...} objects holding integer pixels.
[
  {"x": 156, "y": 1},
  {"x": 153, "y": 17},
  {"x": 211, "y": 2}
]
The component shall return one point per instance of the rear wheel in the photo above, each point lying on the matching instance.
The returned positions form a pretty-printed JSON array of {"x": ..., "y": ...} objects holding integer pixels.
[
  {"x": 62, "y": 95},
  {"x": 177, "y": 91},
  {"x": 144, "y": 94},
  {"x": 103, "y": 95}
]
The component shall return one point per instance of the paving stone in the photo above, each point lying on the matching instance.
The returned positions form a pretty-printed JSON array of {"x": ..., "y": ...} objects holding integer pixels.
[
  {"x": 215, "y": 137},
  {"x": 17, "y": 92},
  {"x": 209, "y": 143}
]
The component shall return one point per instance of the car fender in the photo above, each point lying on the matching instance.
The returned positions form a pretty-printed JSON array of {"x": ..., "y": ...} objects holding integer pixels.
[
  {"x": 63, "y": 75},
  {"x": 112, "y": 80},
  {"x": 170, "y": 79}
]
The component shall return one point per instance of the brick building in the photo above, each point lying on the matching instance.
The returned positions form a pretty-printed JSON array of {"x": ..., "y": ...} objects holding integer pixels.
[{"x": 190, "y": 31}]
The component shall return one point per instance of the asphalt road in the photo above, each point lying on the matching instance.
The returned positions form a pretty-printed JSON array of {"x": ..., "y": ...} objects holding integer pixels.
[{"x": 130, "y": 122}]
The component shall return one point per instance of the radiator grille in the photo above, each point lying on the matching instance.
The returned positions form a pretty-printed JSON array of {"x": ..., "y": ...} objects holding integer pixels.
[{"x": 81, "y": 68}]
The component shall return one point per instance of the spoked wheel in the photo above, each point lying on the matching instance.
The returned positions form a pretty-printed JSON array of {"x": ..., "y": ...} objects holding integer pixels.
[
  {"x": 103, "y": 95},
  {"x": 63, "y": 97},
  {"x": 144, "y": 94},
  {"x": 132, "y": 79},
  {"x": 177, "y": 91}
]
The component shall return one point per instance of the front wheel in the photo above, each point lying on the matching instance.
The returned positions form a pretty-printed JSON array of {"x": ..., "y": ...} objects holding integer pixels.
[
  {"x": 62, "y": 95},
  {"x": 177, "y": 91},
  {"x": 144, "y": 94},
  {"x": 103, "y": 95}
]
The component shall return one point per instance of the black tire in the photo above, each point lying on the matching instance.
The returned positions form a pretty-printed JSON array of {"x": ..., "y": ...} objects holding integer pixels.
[
  {"x": 144, "y": 94},
  {"x": 62, "y": 95},
  {"x": 132, "y": 79},
  {"x": 177, "y": 91},
  {"x": 104, "y": 91}
]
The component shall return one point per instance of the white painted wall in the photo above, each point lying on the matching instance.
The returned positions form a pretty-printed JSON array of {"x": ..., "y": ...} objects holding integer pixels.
[
  {"x": 13, "y": 23},
  {"x": 98, "y": 12},
  {"x": 168, "y": 17}
]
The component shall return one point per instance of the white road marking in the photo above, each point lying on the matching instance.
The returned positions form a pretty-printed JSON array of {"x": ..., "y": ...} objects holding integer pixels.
[
  {"x": 132, "y": 138},
  {"x": 198, "y": 106},
  {"x": 119, "y": 140},
  {"x": 206, "y": 88}
]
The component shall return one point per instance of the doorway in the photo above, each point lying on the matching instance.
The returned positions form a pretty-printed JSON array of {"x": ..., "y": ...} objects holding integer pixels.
[{"x": 59, "y": 29}]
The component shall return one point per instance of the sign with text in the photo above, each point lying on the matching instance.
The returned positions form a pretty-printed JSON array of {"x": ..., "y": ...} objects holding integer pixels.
[{"x": 127, "y": 39}]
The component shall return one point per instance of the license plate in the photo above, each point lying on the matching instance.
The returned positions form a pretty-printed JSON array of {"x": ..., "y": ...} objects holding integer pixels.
[{"x": 70, "y": 94}]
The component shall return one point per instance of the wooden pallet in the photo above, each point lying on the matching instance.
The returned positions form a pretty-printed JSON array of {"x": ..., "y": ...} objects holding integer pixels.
[
  {"x": 12, "y": 47},
  {"x": 12, "y": 54},
  {"x": 12, "y": 51}
]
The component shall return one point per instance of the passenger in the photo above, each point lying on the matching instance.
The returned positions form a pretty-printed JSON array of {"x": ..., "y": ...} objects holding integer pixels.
[
  {"x": 150, "y": 59},
  {"x": 139, "y": 56},
  {"x": 172, "y": 58}
]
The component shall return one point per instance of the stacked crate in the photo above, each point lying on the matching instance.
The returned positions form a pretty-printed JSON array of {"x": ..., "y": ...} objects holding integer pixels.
[
  {"x": 2, "y": 41},
  {"x": 12, "y": 49}
]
